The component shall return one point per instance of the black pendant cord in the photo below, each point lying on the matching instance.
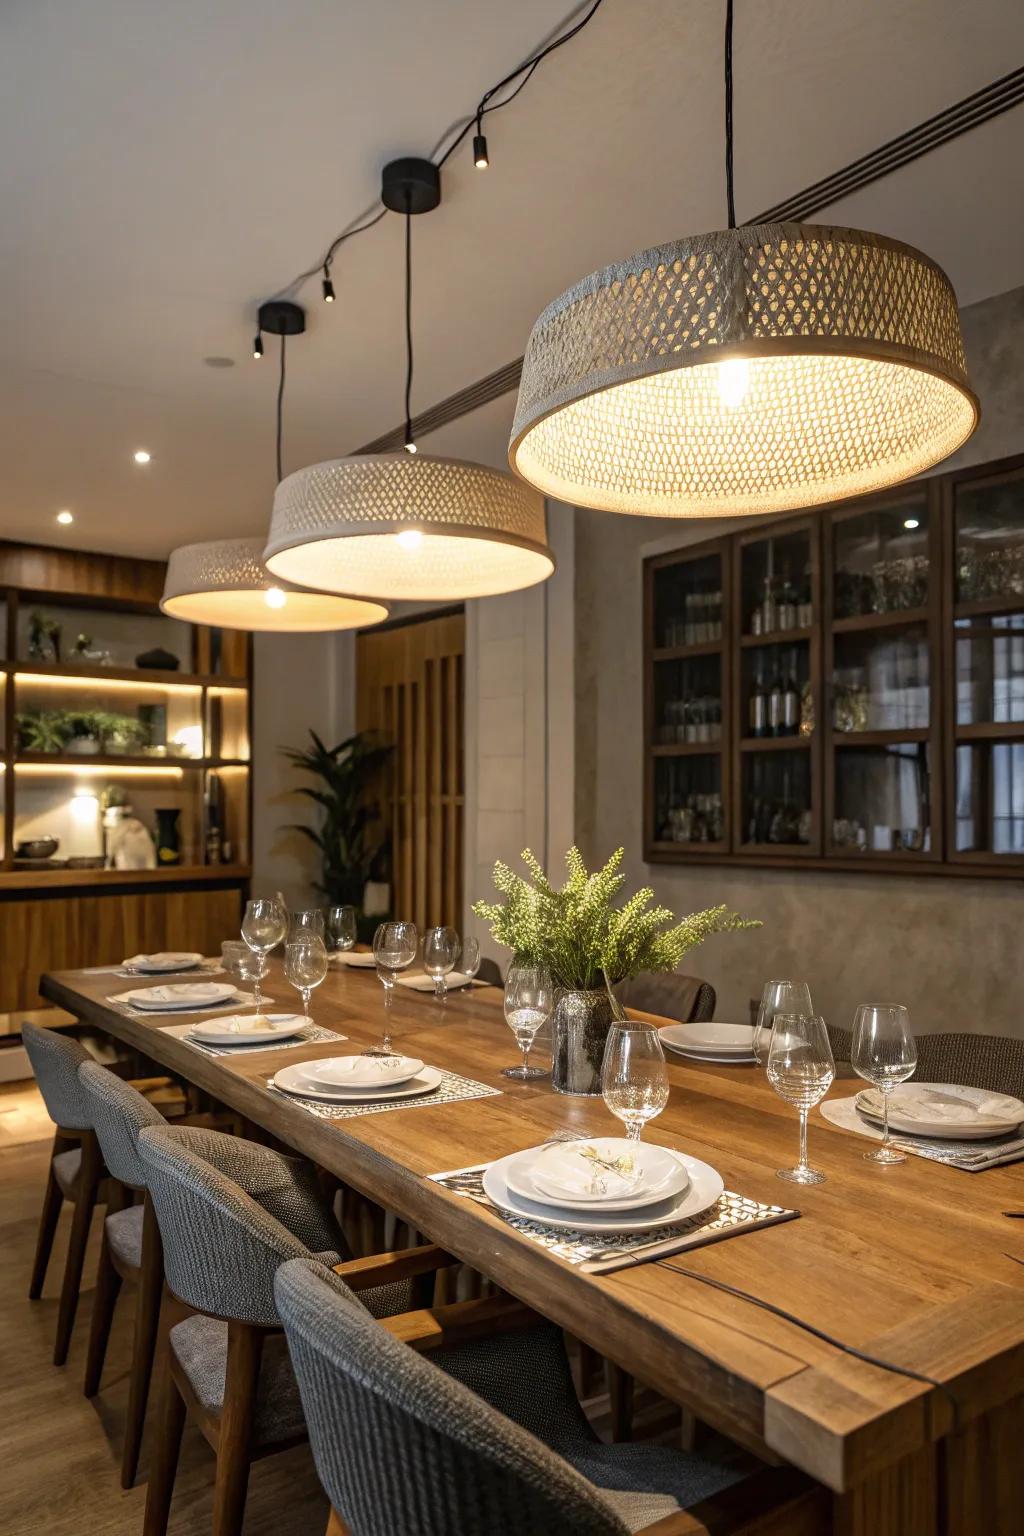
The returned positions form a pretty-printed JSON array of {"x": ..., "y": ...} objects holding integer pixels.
[
  {"x": 280, "y": 411},
  {"x": 408, "y": 328},
  {"x": 818, "y": 1333},
  {"x": 730, "y": 194}
]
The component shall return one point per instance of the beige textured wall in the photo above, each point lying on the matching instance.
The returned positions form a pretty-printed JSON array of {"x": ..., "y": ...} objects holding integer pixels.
[{"x": 951, "y": 949}]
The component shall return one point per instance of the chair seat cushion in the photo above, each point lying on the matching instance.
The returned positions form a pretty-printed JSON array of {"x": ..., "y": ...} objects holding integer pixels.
[
  {"x": 66, "y": 1168},
  {"x": 200, "y": 1346},
  {"x": 645, "y": 1483},
  {"x": 124, "y": 1234}
]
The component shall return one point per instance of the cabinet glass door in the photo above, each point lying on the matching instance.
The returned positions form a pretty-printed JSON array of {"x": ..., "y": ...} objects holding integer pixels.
[
  {"x": 881, "y": 559},
  {"x": 688, "y": 604},
  {"x": 688, "y": 811},
  {"x": 883, "y": 801}
]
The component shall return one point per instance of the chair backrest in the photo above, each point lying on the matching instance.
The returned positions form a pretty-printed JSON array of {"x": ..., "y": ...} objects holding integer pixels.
[
  {"x": 401, "y": 1446},
  {"x": 992, "y": 1062},
  {"x": 55, "y": 1059},
  {"x": 118, "y": 1112},
  {"x": 490, "y": 972},
  {"x": 686, "y": 999},
  {"x": 229, "y": 1213}
]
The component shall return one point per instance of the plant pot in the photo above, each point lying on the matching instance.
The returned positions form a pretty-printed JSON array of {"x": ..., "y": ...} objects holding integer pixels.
[
  {"x": 579, "y": 1029},
  {"x": 83, "y": 746}
]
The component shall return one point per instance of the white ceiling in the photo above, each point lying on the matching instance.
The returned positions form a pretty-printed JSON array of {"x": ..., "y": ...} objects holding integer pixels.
[{"x": 170, "y": 165}]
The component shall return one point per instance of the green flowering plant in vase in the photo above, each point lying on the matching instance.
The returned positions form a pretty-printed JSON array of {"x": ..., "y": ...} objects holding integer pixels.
[{"x": 588, "y": 943}]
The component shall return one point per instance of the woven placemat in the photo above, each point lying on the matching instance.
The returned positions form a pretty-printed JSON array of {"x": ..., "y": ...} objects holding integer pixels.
[
  {"x": 313, "y": 1034},
  {"x": 968, "y": 1156},
  {"x": 452, "y": 1089},
  {"x": 600, "y": 1254}
]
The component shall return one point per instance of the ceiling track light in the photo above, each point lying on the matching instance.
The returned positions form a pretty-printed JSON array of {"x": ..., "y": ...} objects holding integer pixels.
[
  {"x": 757, "y": 369},
  {"x": 480, "y": 157},
  {"x": 408, "y": 524},
  {"x": 257, "y": 346},
  {"x": 328, "y": 286}
]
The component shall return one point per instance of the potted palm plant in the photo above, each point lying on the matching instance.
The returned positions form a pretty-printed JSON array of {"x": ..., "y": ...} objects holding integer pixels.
[{"x": 588, "y": 944}]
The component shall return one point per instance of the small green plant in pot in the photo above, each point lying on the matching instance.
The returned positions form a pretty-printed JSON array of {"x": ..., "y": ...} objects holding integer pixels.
[{"x": 588, "y": 944}]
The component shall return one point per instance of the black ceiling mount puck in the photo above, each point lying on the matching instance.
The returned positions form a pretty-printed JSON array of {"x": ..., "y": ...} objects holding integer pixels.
[
  {"x": 411, "y": 185},
  {"x": 280, "y": 317}
]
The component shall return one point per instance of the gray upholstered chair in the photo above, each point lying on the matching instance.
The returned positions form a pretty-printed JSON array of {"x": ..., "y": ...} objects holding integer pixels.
[
  {"x": 76, "y": 1167},
  {"x": 686, "y": 999},
  {"x": 131, "y": 1248},
  {"x": 230, "y": 1212},
  {"x": 487, "y": 1436},
  {"x": 992, "y": 1062}
]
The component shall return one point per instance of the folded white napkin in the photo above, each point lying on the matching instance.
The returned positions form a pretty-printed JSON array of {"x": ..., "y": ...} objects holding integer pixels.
[
  {"x": 586, "y": 1169},
  {"x": 352, "y": 957},
  {"x": 421, "y": 982}
]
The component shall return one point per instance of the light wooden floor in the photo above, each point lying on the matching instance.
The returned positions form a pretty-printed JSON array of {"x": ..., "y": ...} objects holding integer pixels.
[{"x": 59, "y": 1454}]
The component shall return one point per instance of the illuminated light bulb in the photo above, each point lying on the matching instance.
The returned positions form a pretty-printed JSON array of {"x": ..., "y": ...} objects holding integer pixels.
[
  {"x": 257, "y": 346},
  {"x": 911, "y": 523},
  {"x": 65, "y": 517},
  {"x": 274, "y": 597},
  {"x": 480, "y": 159},
  {"x": 85, "y": 805},
  {"x": 142, "y": 456},
  {"x": 733, "y": 380},
  {"x": 410, "y": 538},
  {"x": 328, "y": 288}
]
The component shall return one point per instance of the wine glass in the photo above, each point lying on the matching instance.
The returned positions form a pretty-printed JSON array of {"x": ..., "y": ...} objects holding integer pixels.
[
  {"x": 305, "y": 965},
  {"x": 310, "y": 920},
  {"x": 263, "y": 926},
  {"x": 883, "y": 1053},
  {"x": 341, "y": 927},
  {"x": 800, "y": 1069},
  {"x": 469, "y": 958},
  {"x": 529, "y": 1001},
  {"x": 778, "y": 997},
  {"x": 440, "y": 951},
  {"x": 634, "y": 1077},
  {"x": 394, "y": 950}
]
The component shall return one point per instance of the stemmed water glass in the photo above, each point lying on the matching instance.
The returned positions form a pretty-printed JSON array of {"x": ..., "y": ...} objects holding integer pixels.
[
  {"x": 529, "y": 1002},
  {"x": 310, "y": 920},
  {"x": 634, "y": 1077},
  {"x": 440, "y": 952},
  {"x": 394, "y": 950},
  {"x": 800, "y": 1069},
  {"x": 341, "y": 928},
  {"x": 778, "y": 997},
  {"x": 469, "y": 958},
  {"x": 883, "y": 1053},
  {"x": 263, "y": 926},
  {"x": 305, "y": 966}
]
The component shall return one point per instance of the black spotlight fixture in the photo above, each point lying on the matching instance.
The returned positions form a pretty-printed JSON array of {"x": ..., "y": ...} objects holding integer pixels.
[
  {"x": 480, "y": 159},
  {"x": 328, "y": 286},
  {"x": 257, "y": 346}
]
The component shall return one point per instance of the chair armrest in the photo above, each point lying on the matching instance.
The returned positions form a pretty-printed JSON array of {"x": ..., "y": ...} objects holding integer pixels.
[
  {"x": 775, "y": 1501},
  {"x": 386, "y": 1268},
  {"x": 460, "y": 1322}
]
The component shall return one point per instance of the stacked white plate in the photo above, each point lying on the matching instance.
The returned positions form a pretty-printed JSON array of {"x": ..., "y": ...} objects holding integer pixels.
[
  {"x": 358, "y": 1079},
  {"x": 602, "y": 1184},
  {"x": 419, "y": 981},
  {"x": 158, "y": 965},
  {"x": 724, "y": 1043},
  {"x": 186, "y": 996},
  {"x": 944, "y": 1110},
  {"x": 248, "y": 1028}
]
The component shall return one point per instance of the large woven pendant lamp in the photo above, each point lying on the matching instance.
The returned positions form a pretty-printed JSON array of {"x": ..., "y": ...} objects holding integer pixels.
[
  {"x": 224, "y": 583},
  {"x": 408, "y": 524},
  {"x": 755, "y": 369}
]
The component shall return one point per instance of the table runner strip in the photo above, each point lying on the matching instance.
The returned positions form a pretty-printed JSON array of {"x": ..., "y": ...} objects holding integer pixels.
[
  {"x": 593, "y": 1254},
  {"x": 313, "y": 1034},
  {"x": 452, "y": 1089}
]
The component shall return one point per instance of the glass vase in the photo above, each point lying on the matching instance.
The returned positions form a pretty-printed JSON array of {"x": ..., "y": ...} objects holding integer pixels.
[{"x": 579, "y": 1029}]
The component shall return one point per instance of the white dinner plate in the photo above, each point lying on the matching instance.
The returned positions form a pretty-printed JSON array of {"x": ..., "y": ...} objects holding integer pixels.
[
  {"x": 712, "y": 1058},
  {"x": 248, "y": 1028},
  {"x": 362, "y": 1071},
  {"x": 556, "y": 1174},
  {"x": 158, "y": 965},
  {"x": 944, "y": 1110},
  {"x": 294, "y": 1079},
  {"x": 704, "y": 1189},
  {"x": 710, "y": 1038},
  {"x": 191, "y": 996},
  {"x": 357, "y": 957}
]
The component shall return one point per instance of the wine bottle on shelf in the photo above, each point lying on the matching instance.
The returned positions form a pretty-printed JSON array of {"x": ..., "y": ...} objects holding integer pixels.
[
  {"x": 769, "y": 608},
  {"x": 791, "y": 699},
  {"x": 775, "y": 705},
  {"x": 758, "y": 707},
  {"x": 787, "y": 604}
]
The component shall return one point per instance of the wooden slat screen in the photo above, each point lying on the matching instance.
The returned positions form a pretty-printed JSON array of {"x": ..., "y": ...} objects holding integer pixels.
[{"x": 409, "y": 686}]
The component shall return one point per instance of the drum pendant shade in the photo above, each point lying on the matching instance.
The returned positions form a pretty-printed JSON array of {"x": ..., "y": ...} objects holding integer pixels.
[
  {"x": 751, "y": 370},
  {"x": 225, "y": 583},
  {"x": 403, "y": 525}
]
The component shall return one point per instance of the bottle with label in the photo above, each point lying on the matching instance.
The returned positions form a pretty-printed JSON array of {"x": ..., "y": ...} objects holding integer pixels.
[
  {"x": 759, "y": 708},
  {"x": 791, "y": 699},
  {"x": 775, "y": 705},
  {"x": 787, "y": 604}
]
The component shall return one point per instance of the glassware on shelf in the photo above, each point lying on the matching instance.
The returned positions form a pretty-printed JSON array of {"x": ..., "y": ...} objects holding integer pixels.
[
  {"x": 440, "y": 952},
  {"x": 634, "y": 1077},
  {"x": 341, "y": 929},
  {"x": 882, "y": 799},
  {"x": 801, "y": 1070},
  {"x": 394, "y": 950},
  {"x": 529, "y": 1004},
  {"x": 305, "y": 966},
  {"x": 881, "y": 561},
  {"x": 777, "y": 798},
  {"x": 777, "y": 997},
  {"x": 883, "y": 1053},
  {"x": 263, "y": 926}
]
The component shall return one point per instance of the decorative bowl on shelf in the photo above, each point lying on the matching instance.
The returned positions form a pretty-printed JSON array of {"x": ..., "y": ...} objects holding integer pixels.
[
  {"x": 158, "y": 660},
  {"x": 37, "y": 848}
]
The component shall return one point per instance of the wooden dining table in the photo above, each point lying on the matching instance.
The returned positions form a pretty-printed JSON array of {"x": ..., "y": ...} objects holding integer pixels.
[{"x": 914, "y": 1264}]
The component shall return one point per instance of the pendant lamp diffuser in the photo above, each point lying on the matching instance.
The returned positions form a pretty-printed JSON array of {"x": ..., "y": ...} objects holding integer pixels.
[
  {"x": 225, "y": 583},
  {"x": 750, "y": 370},
  {"x": 401, "y": 525}
]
